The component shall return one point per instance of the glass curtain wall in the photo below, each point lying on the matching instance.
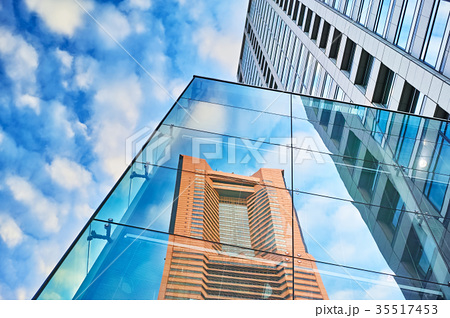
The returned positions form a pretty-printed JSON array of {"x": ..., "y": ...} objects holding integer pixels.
[{"x": 250, "y": 193}]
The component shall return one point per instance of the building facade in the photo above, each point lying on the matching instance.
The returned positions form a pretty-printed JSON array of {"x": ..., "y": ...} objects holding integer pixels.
[
  {"x": 252, "y": 193},
  {"x": 237, "y": 211},
  {"x": 391, "y": 54}
]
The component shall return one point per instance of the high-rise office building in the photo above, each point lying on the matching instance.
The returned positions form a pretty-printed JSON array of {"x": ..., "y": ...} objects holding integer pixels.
[
  {"x": 237, "y": 211},
  {"x": 388, "y": 53},
  {"x": 391, "y": 54},
  {"x": 247, "y": 192}
]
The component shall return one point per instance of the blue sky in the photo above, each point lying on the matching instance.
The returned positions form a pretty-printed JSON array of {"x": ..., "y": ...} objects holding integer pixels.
[{"x": 78, "y": 78}]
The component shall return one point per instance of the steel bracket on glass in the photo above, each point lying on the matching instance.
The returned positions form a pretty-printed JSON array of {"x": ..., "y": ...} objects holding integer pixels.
[{"x": 106, "y": 237}]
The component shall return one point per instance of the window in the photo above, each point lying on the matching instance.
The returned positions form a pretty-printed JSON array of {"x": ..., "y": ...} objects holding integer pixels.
[
  {"x": 285, "y": 6},
  {"x": 302, "y": 15},
  {"x": 383, "y": 86},
  {"x": 307, "y": 25},
  {"x": 441, "y": 113},
  {"x": 325, "y": 118},
  {"x": 291, "y": 4},
  {"x": 347, "y": 59},
  {"x": 369, "y": 176},
  {"x": 334, "y": 50},
  {"x": 316, "y": 80},
  {"x": 326, "y": 86},
  {"x": 439, "y": 169},
  {"x": 379, "y": 126},
  {"x": 410, "y": 99},
  {"x": 307, "y": 73},
  {"x": 348, "y": 8},
  {"x": 435, "y": 33},
  {"x": 339, "y": 94},
  {"x": 325, "y": 34},
  {"x": 382, "y": 16},
  {"x": 414, "y": 257},
  {"x": 391, "y": 208},
  {"x": 351, "y": 148},
  {"x": 406, "y": 24},
  {"x": 364, "y": 69},
  {"x": 338, "y": 127},
  {"x": 336, "y": 4},
  {"x": 315, "y": 30},
  {"x": 363, "y": 10},
  {"x": 407, "y": 139},
  {"x": 295, "y": 13}
]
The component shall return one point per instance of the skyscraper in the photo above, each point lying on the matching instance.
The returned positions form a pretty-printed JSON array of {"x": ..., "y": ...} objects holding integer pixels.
[
  {"x": 388, "y": 53},
  {"x": 252, "y": 219},
  {"x": 391, "y": 54}
]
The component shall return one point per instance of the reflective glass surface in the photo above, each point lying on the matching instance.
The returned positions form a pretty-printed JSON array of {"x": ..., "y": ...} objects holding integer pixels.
[
  {"x": 406, "y": 26},
  {"x": 249, "y": 193},
  {"x": 437, "y": 32},
  {"x": 382, "y": 17}
]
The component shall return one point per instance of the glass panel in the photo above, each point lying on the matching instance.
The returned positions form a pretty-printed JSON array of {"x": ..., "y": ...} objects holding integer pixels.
[
  {"x": 225, "y": 153},
  {"x": 127, "y": 266},
  {"x": 197, "y": 269},
  {"x": 406, "y": 26},
  {"x": 362, "y": 118},
  {"x": 240, "y": 96},
  {"x": 230, "y": 120},
  {"x": 364, "y": 9},
  {"x": 141, "y": 264},
  {"x": 343, "y": 283},
  {"x": 437, "y": 33},
  {"x": 349, "y": 8},
  {"x": 143, "y": 198},
  {"x": 390, "y": 240},
  {"x": 382, "y": 18}
]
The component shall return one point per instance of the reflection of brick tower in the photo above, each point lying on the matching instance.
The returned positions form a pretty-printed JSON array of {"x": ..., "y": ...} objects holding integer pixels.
[{"x": 251, "y": 218}]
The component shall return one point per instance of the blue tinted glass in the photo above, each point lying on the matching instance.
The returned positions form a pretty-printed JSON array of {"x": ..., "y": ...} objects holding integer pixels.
[
  {"x": 383, "y": 16},
  {"x": 437, "y": 187},
  {"x": 363, "y": 11},
  {"x": 409, "y": 133},
  {"x": 336, "y": 4},
  {"x": 222, "y": 191},
  {"x": 349, "y": 8},
  {"x": 406, "y": 26},
  {"x": 437, "y": 33}
]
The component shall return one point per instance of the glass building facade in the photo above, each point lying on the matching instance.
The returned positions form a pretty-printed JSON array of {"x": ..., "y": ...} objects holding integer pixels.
[
  {"x": 253, "y": 193},
  {"x": 391, "y": 54}
]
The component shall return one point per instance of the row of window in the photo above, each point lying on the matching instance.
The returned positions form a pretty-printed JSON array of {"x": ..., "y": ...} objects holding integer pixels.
[
  {"x": 296, "y": 67},
  {"x": 417, "y": 27},
  {"x": 412, "y": 100}
]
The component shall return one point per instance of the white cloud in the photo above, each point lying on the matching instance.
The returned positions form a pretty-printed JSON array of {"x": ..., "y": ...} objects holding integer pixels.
[
  {"x": 10, "y": 232},
  {"x": 22, "y": 293},
  {"x": 86, "y": 70},
  {"x": 30, "y": 101},
  {"x": 2, "y": 136},
  {"x": 219, "y": 46},
  {"x": 116, "y": 115},
  {"x": 83, "y": 211},
  {"x": 115, "y": 23},
  {"x": 44, "y": 210},
  {"x": 61, "y": 120},
  {"x": 65, "y": 58},
  {"x": 20, "y": 61},
  {"x": 69, "y": 174},
  {"x": 61, "y": 16},
  {"x": 138, "y": 4}
]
